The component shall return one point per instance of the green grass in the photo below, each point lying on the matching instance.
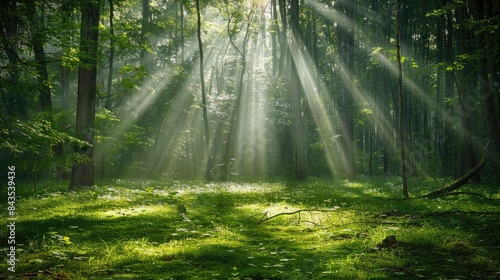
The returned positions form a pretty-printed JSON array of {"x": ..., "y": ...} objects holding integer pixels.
[{"x": 124, "y": 229}]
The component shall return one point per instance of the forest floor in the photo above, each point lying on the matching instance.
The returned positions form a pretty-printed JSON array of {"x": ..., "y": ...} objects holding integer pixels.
[{"x": 329, "y": 229}]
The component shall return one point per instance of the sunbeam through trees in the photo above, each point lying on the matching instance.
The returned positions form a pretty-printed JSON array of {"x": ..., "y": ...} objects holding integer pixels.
[{"x": 250, "y": 139}]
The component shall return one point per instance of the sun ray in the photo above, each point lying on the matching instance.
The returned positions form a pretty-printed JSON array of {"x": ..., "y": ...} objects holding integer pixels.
[{"x": 316, "y": 103}]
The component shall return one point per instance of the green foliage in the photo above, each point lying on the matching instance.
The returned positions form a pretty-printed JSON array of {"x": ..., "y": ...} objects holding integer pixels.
[
  {"x": 449, "y": 7},
  {"x": 119, "y": 147},
  {"x": 28, "y": 144},
  {"x": 132, "y": 76}
]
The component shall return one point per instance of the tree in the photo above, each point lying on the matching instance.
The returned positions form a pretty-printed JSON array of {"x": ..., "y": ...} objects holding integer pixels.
[
  {"x": 345, "y": 37},
  {"x": 145, "y": 44},
  {"x": 485, "y": 90},
  {"x": 235, "y": 112},
  {"x": 38, "y": 40},
  {"x": 9, "y": 24},
  {"x": 400, "y": 95},
  {"x": 83, "y": 173},
  {"x": 202, "y": 78},
  {"x": 295, "y": 92}
]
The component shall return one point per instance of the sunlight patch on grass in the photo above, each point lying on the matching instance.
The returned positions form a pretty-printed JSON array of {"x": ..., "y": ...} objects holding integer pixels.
[{"x": 135, "y": 211}]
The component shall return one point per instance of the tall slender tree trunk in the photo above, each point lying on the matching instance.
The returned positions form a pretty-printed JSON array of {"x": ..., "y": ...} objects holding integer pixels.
[
  {"x": 274, "y": 32},
  {"x": 43, "y": 76},
  {"x": 182, "y": 30},
  {"x": 109, "y": 84},
  {"x": 400, "y": 94},
  {"x": 65, "y": 86},
  {"x": 386, "y": 32},
  {"x": 295, "y": 91},
  {"x": 284, "y": 37},
  {"x": 83, "y": 173},
  {"x": 202, "y": 78},
  {"x": 447, "y": 160},
  {"x": 464, "y": 89},
  {"x": 111, "y": 57},
  {"x": 145, "y": 55},
  {"x": 438, "y": 111},
  {"x": 235, "y": 114},
  {"x": 345, "y": 34}
]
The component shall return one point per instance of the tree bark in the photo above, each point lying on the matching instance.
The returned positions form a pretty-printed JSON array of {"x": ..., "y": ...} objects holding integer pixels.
[
  {"x": 447, "y": 158},
  {"x": 284, "y": 37},
  {"x": 202, "y": 78},
  {"x": 485, "y": 91},
  {"x": 295, "y": 92},
  {"x": 145, "y": 55},
  {"x": 41, "y": 66},
  {"x": 9, "y": 25},
  {"x": 83, "y": 173},
  {"x": 400, "y": 94},
  {"x": 43, "y": 76},
  {"x": 464, "y": 89},
  {"x": 345, "y": 34}
]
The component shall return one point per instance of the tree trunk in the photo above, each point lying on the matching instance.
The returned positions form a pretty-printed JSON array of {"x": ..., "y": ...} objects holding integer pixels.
[
  {"x": 485, "y": 91},
  {"x": 202, "y": 77},
  {"x": 447, "y": 159},
  {"x": 9, "y": 24},
  {"x": 284, "y": 37},
  {"x": 41, "y": 66},
  {"x": 43, "y": 76},
  {"x": 235, "y": 114},
  {"x": 386, "y": 30},
  {"x": 182, "y": 30},
  {"x": 109, "y": 84},
  {"x": 400, "y": 94},
  {"x": 83, "y": 173},
  {"x": 145, "y": 55},
  {"x": 345, "y": 35},
  {"x": 464, "y": 89},
  {"x": 295, "y": 92}
]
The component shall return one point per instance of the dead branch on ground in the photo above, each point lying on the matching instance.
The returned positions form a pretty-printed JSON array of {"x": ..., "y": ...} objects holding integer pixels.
[
  {"x": 265, "y": 218},
  {"x": 448, "y": 189}
]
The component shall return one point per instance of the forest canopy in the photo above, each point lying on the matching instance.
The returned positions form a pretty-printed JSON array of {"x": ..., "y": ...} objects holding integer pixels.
[{"x": 249, "y": 88}]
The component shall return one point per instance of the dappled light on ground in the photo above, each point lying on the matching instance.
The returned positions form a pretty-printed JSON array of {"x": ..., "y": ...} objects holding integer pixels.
[{"x": 236, "y": 230}]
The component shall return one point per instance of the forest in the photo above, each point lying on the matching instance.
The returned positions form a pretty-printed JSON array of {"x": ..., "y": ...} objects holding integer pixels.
[{"x": 187, "y": 138}]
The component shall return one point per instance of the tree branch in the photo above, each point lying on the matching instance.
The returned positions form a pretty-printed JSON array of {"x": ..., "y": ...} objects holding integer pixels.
[
  {"x": 263, "y": 219},
  {"x": 460, "y": 181}
]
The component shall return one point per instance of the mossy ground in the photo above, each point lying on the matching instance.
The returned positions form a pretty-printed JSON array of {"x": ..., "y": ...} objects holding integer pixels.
[{"x": 126, "y": 229}]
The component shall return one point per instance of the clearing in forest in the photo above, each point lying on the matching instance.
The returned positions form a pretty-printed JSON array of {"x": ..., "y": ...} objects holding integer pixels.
[{"x": 317, "y": 229}]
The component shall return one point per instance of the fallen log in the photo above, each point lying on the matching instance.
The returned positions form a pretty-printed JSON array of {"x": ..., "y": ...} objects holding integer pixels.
[{"x": 448, "y": 189}]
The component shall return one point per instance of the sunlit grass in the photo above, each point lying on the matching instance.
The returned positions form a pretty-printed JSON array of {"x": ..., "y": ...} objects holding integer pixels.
[{"x": 126, "y": 229}]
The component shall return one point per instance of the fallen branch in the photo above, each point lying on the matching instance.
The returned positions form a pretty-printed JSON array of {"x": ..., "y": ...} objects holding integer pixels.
[
  {"x": 263, "y": 219},
  {"x": 446, "y": 190}
]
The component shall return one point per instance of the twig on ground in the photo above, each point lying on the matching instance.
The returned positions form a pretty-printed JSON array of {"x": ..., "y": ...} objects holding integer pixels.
[{"x": 263, "y": 219}]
